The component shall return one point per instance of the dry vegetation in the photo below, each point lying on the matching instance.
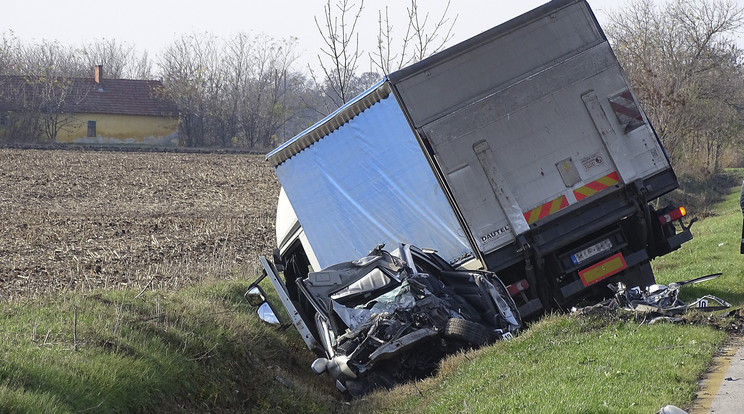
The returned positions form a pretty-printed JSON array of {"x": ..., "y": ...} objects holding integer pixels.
[{"x": 75, "y": 220}]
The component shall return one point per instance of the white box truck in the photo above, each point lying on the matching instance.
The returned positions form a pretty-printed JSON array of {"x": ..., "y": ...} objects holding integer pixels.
[{"x": 522, "y": 151}]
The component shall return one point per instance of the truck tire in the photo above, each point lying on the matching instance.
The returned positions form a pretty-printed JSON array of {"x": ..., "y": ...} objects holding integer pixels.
[{"x": 468, "y": 331}]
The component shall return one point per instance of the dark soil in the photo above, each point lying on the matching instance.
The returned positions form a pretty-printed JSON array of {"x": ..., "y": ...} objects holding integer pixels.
[{"x": 83, "y": 220}]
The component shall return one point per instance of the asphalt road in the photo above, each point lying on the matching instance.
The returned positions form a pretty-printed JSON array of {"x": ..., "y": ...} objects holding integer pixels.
[{"x": 722, "y": 389}]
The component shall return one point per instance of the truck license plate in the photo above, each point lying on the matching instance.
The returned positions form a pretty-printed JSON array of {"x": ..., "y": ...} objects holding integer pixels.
[{"x": 591, "y": 251}]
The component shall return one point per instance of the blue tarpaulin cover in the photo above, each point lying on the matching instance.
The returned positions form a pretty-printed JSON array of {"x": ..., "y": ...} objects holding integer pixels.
[{"x": 365, "y": 183}]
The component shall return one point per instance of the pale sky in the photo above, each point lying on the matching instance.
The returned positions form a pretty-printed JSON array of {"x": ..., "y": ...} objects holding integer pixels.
[{"x": 152, "y": 25}]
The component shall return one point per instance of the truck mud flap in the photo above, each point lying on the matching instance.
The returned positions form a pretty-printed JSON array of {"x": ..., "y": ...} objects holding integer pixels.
[
  {"x": 530, "y": 307},
  {"x": 676, "y": 241}
]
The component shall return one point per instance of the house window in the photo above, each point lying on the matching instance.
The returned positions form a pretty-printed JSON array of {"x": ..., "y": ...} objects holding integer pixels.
[{"x": 91, "y": 128}]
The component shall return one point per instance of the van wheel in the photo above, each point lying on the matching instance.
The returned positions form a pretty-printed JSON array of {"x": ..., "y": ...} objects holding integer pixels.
[{"x": 468, "y": 331}]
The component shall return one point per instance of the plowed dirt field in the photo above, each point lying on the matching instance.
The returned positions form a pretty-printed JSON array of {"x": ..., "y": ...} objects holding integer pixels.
[{"x": 83, "y": 220}]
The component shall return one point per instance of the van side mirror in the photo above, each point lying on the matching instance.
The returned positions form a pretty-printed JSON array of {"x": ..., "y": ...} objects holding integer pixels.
[
  {"x": 256, "y": 298},
  {"x": 266, "y": 314}
]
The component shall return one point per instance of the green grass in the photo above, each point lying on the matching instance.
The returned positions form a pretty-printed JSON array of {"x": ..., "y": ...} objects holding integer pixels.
[
  {"x": 713, "y": 249},
  {"x": 568, "y": 365},
  {"x": 203, "y": 349}
]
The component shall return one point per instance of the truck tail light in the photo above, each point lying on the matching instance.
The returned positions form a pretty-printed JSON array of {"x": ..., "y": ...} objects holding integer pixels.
[
  {"x": 517, "y": 287},
  {"x": 675, "y": 214}
]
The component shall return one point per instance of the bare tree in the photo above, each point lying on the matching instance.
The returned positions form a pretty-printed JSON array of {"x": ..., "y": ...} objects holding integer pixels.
[
  {"x": 49, "y": 59},
  {"x": 39, "y": 93},
  {"x": 687, "y": 71},
  {"x": 19, "y": 121},
  {"x": 341, "y": 51},
  {"x": 268, "y": 107},
  {"x": 57, "y": 100},
  {"x": 340, "y": 55},
  {"x": 423, "y": 38},
  {"x": 231, "y": 93},
  {"x": 112, "y": 55},
  {"x": 189, "y": 77},
  {"x": 9, "y": 47},
  {"x": 141, "y": 67},
  {"x": 257, "y": 73},
  {"x": 38, "y": 107},
  {"x": 120, "y": 59}
]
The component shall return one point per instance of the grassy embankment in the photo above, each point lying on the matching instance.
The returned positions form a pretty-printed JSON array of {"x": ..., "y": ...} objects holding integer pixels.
[
  {"x": 198, "y": 350},
  {"x": 202, "y": 349}
]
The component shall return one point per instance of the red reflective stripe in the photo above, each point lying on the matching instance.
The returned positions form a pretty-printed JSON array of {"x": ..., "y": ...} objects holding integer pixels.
[
  {"x": 629, "y": 112},
  {"x": 563, "y": 202},
  {"x": 531, "y": 216},
  {"x": 579, "y": 195},
  {"x": 545, "y": 210},
  {"x": 614, "y": 176},
  {"x": 625, "y": 105},
  {"x": 596, "y": 186}
]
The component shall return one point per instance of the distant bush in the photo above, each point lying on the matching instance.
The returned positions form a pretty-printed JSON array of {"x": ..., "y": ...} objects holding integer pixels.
[{"x": 698, "y": 193}]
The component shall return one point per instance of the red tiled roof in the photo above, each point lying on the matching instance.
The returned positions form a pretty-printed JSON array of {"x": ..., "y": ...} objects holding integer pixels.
[
  {"x": 126, "y": 97},
  {"x": 112, "y": 96}
]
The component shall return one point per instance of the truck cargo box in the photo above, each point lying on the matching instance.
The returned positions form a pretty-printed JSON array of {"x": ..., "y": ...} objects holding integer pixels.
[
  {"x": 523, "y": 148},
  {"x": 358, "y": 181}
]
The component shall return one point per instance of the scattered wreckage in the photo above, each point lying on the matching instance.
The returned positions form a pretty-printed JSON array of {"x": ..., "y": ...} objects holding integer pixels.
[
  {"x": 660, "y": 302},
  {"x": 390, "y": 317}
]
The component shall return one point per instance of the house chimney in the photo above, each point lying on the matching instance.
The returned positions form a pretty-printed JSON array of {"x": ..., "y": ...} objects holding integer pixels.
[{"x": 98, "y": 74}]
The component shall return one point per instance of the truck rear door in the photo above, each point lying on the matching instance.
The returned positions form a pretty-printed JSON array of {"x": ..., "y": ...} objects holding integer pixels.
[{"x": 528, "y": 119}]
